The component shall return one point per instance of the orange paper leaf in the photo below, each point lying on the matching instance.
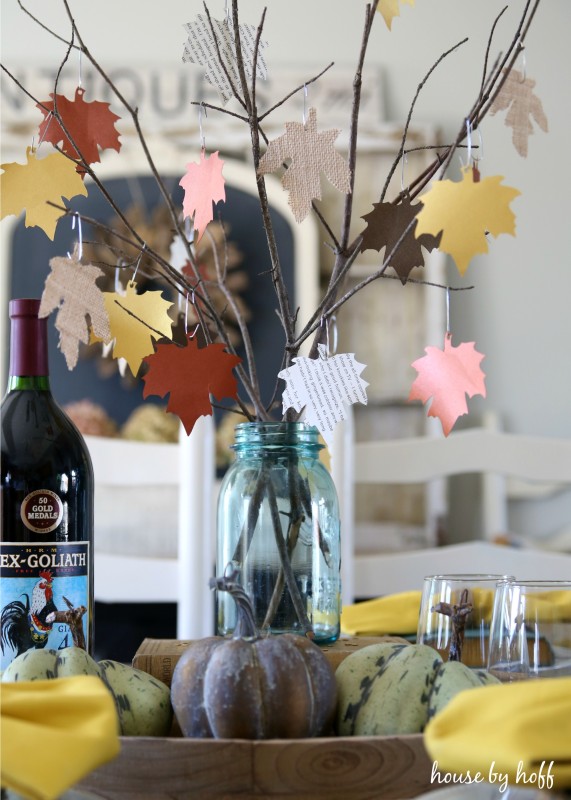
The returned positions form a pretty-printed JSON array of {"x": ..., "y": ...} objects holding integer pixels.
[
  {"x": 448, "y": 376},
  {"x": 32, "y": 186},
  {"x": 310, "y": 153},
  {"x": 89, "y": 127},
  {"x": 465, "y": 211},
  {"x": 190, "y": 375},
  {"x": 136, "y": 320},
  {"x": 70, "y": 287},
  {"x": 203, "y": 186}
]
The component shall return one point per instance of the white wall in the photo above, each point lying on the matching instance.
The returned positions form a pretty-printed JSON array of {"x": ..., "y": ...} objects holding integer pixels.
[{"x": 518, "y": 314}]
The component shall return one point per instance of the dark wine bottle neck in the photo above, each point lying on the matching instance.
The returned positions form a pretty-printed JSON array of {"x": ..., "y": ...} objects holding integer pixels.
[{"x": 29, "y": 343}]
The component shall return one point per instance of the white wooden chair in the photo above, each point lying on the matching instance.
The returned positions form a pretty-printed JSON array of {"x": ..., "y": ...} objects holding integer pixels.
[{"x": 484, "y": 451}]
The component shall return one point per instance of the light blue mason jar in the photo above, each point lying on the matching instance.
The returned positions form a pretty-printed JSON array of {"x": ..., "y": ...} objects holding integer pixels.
[{"x": 278, "y": 530}]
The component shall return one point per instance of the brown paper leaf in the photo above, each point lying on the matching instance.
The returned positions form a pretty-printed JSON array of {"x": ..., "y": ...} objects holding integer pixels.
[
  {"x": 310, "y": 153},
  {"x": 517, "y": 95},
  {"x": 70, "y": 287},
  {"x": 386, "y": 223}
]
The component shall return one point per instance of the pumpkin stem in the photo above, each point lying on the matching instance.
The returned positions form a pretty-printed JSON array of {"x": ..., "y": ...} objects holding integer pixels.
[{"x": 246, "y": 622}]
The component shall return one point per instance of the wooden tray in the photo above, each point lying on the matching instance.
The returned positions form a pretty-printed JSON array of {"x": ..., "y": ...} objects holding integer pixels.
[{"x": 336, "y": 768}]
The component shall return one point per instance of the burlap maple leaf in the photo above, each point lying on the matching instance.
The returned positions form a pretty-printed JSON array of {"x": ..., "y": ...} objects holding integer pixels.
[
  {"x": 517, "y": 95},
  {"x": 70, "y": 287},
  {"x": 190, "y": 374},
  {"x": 447, "y": 376},
  {"x": 386, "y": 223},
  {"x": 310, "y": 154},
  {"x": 91, "y": 126},
  {"x": 36, "y": 184},
  {"x": 464, "y": 211}
]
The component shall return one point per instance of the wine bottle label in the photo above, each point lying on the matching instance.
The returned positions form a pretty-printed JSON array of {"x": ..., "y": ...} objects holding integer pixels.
[
  {"x": 41, "y": 511},
  {"x": 39, "y": 584}
]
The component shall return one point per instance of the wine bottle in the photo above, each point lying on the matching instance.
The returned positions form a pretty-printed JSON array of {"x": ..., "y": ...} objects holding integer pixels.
[{"x": 46, "y": 500}]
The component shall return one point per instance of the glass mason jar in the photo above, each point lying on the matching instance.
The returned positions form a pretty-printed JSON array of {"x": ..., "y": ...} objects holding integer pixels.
[{"x": 279, "y": 532}]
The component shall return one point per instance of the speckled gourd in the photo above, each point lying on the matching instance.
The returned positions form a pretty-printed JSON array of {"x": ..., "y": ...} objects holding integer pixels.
[
  {"x": 392, "y": 689},
  {"x": 142, "y": 702}
]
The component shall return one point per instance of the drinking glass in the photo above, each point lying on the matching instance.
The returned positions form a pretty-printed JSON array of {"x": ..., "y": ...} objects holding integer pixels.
[
  {"x": 530, "y": 635},
  {"x": 455, "y": 614}
]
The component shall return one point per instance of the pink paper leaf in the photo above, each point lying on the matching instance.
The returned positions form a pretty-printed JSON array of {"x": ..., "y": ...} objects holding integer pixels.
[
  {"x": 203, "y": 186},
  {"x": 447, "y": 376}
]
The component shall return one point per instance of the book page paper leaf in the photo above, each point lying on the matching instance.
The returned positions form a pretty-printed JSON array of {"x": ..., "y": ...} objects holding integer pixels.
[
  {"x": 310, "y": 154},
  {"x": 390, "y": 9},
  {"x": 465, "y": 211},
  {"x": 386, "y": 223},
  {"x": 91, "y": 127},
  {"x": 30, "y": 186},
  {"x": 136, "y": 321},
  {"x": 190, "y": 375},
  {"x": 203, "y": 186},
  {"x": 70, "y": 287},
  {"x": 447, "y": 376},
  {"x": 325, "y": 387},
  {"x": 200, "y": 48},
  {"x": 517, "y": 95}
]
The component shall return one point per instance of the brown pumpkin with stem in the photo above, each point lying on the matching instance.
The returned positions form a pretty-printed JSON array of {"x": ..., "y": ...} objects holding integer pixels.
[{"x": 253, "y": 687}]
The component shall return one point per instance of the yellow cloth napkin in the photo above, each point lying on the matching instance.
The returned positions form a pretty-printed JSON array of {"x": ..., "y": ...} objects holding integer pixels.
[
  {"x": 54, "y": 732},
  {"x": 395, "y": 613},
  {"x": 398, "y": 613},
  {"x": 508, "y": 730}
]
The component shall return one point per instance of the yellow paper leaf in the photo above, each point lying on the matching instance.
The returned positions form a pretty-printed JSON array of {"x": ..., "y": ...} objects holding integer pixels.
[
  {"x": 30, "y": 186},
  {"x": 390, "y": 9},
  {"x": 70, "y": 287},
  {"x": 465, "y": 211},
  {"x": 136, "y": 320}
]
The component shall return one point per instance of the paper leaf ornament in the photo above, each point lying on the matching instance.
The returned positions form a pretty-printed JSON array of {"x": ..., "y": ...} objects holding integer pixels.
[
  {"x": 203, "y": 186},
  {"x": 386, "y": 223},
  {"x": 517, "y": 95},
  {"x": 310, "y": 154},
  {"x": 136, "y": 321},
  {"x": 447, "y": 376},
  {"x": 465, "y": 211},
  {"x": 200, "y": 48},
  {"x": 70, "y": 287},
  {"x": 190, "y": 375},
  {"x": 325, "y": 387},
  {"x": 390, "y": 9},
  {"x": 32, "y": 186},
  {"x": 87, "y": 127}
]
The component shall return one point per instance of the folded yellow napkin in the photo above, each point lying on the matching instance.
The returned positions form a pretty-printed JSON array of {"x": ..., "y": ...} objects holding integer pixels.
[
  {"x": 518, "y": 732},
  {"x": 395, "y": 613},
  {"x": 54, "y": 732}
]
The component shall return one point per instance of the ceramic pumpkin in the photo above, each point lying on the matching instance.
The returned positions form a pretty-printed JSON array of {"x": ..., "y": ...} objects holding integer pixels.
[{"x": 251, "y": 686}]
